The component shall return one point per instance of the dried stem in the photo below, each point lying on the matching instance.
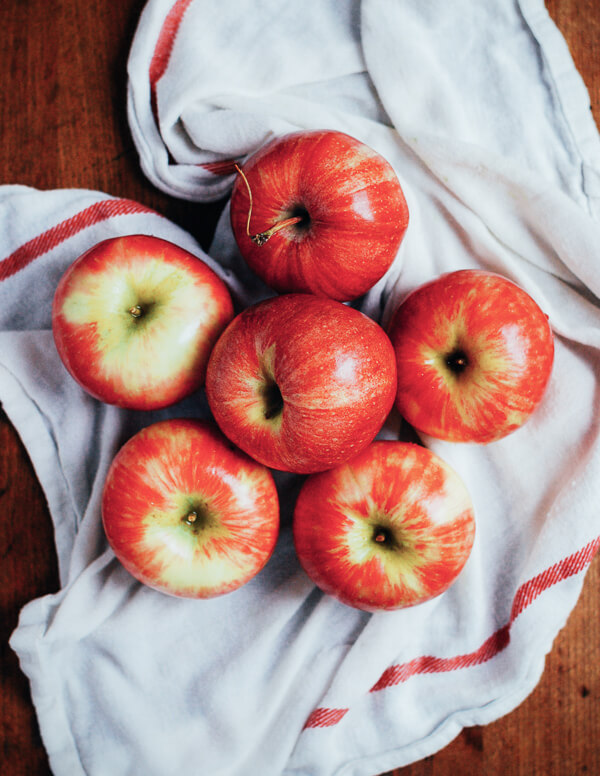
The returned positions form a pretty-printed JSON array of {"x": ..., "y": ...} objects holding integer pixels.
[{"x": 262, "y": 237}]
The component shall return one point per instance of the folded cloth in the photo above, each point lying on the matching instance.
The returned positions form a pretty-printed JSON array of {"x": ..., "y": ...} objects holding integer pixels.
[{"x": 486, "y": 121}]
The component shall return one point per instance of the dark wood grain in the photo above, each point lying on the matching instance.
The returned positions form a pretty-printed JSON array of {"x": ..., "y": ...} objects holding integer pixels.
[{"x": 64, "y": 125}]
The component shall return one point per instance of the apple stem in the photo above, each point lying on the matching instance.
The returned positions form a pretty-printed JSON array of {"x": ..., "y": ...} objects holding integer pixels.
[
  {"x": 380, "y": 537},
  {"x": 241, "y": 172},
  {"x": 191, "y": 517},
  {"x": 136, "y": 311},
  {"x": 262, "y": 237}
]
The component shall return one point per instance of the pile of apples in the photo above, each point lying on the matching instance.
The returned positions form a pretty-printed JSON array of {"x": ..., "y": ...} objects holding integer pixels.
[{"x": 300, "y": 382}]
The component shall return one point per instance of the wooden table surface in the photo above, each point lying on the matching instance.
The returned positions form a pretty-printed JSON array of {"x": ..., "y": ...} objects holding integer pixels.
[{"x": 64, "y": 125}]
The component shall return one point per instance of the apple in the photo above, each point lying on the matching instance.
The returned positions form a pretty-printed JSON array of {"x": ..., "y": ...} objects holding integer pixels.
[
  {"x": 188, "y": 514},
  {"x": 391, "y": 528},
  {"x": 474, "y": 354},
  {"x": 301, "y": 382},
  {"x": 318, "y": 212},
  {"x": 135, "y": 318}
]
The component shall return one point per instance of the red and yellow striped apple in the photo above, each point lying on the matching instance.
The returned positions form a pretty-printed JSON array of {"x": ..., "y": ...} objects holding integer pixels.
[
  {"x": 187, "y": 513},
  {"x": 318, "y": 212},
  {"x": 135, "y": 318},
  {"x": 474, "y": 355},
  {"x": 391, "y": 528},
  {"x": 300, "y": 382}
]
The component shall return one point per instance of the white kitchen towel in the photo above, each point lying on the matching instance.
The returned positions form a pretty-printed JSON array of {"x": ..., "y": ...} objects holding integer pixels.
[{"x": 481, "y": 112}]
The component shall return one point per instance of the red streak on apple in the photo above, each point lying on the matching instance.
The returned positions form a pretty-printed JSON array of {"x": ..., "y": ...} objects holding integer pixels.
[
  {"x": 391, "y": 528},
  {"x": 474, "y": 354},
  {"x": 350, "y": 210},
  {"x": 301, "y": 383}
]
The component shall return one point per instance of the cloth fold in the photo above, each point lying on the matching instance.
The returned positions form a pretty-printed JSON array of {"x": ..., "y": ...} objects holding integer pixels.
[{"x": 486, "y": 122}]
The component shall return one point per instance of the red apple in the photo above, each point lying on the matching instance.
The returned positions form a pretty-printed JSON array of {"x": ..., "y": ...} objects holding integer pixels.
[
  {"x": 188, "y": 514},
  {"x": 474, "y": 354},
  {"x": 300, "y": 382},
  {"x": 391, "y": 528},
  {"x": 135, "y": 318},
  {"x": 330, "y": 207}
]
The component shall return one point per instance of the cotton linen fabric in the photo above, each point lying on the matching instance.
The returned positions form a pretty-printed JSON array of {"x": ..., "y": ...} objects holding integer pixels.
[{"x": 482, "y": 114}]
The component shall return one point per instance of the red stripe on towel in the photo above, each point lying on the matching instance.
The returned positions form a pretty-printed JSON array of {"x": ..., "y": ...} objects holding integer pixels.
[
  {"x": 99, "y": 211},
  {"x": 562, "y": 570},
  {"x": 325, "y": 717},
  {"x": 160, "y": 62},
  {"x": 437, "y": 665},
  {"x": 420, "y": 665},
  {"x": 225, "y": 167},
  {"x": 164, "y": 47}
]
